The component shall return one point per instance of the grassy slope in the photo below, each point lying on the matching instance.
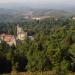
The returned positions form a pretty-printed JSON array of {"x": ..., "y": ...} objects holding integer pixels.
[{"x": 34, "y": 73}]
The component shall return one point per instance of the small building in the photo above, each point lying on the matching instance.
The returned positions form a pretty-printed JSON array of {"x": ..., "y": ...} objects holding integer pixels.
[
  {"x": 73, "y": 17},
  {"x": 40, "y": 17},
  {"x": 30, "y": 35},
  {"x": 36, "y": 18}
]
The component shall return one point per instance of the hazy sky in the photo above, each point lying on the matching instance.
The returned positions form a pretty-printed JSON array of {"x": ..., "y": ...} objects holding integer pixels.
[
  {"x": 42, "y": 3},
  {"x": 35, "y": 1}
]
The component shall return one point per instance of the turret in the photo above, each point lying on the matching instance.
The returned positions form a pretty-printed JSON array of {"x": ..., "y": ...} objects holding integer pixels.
[{"x": 21, "y": 35}]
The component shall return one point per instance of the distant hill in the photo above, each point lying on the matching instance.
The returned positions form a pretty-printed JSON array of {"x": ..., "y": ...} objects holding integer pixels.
[
  {"x": 52, "y": 12},
  {"x": 16, "y": 15}
]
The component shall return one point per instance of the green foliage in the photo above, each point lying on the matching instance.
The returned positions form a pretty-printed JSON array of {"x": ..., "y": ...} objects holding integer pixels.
[{"x": 52, "y": 49}]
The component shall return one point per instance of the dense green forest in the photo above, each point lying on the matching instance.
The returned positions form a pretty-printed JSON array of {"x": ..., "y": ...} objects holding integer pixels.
[{"x": 53, "y": 47}]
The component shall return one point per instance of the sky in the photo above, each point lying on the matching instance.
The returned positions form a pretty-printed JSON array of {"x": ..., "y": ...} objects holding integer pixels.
[{"x": 40, "y": 3}]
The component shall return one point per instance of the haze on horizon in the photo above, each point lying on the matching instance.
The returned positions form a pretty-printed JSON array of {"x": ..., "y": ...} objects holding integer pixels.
[{"x": 38, "y": 3}]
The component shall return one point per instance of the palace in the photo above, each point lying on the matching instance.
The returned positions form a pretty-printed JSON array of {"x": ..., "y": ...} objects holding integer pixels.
[{"x": 21, "y": 36}]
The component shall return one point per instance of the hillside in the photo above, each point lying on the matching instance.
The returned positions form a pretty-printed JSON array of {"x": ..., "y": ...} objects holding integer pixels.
[{"x": 16, "y": 15}]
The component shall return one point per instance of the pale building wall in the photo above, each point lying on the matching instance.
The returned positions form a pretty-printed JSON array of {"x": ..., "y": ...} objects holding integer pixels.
[
  {"x": 13, "y": 42},
  {"x": 21, "y": 35},
  {"x": 9, "y": 39}
]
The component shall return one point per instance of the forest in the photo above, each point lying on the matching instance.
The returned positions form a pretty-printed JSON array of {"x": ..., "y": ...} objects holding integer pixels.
[{"x": 53, "y": 47}]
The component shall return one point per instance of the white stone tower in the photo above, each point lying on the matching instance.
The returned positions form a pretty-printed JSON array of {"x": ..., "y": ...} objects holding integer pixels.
[{"x": 21, "y": 35}]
